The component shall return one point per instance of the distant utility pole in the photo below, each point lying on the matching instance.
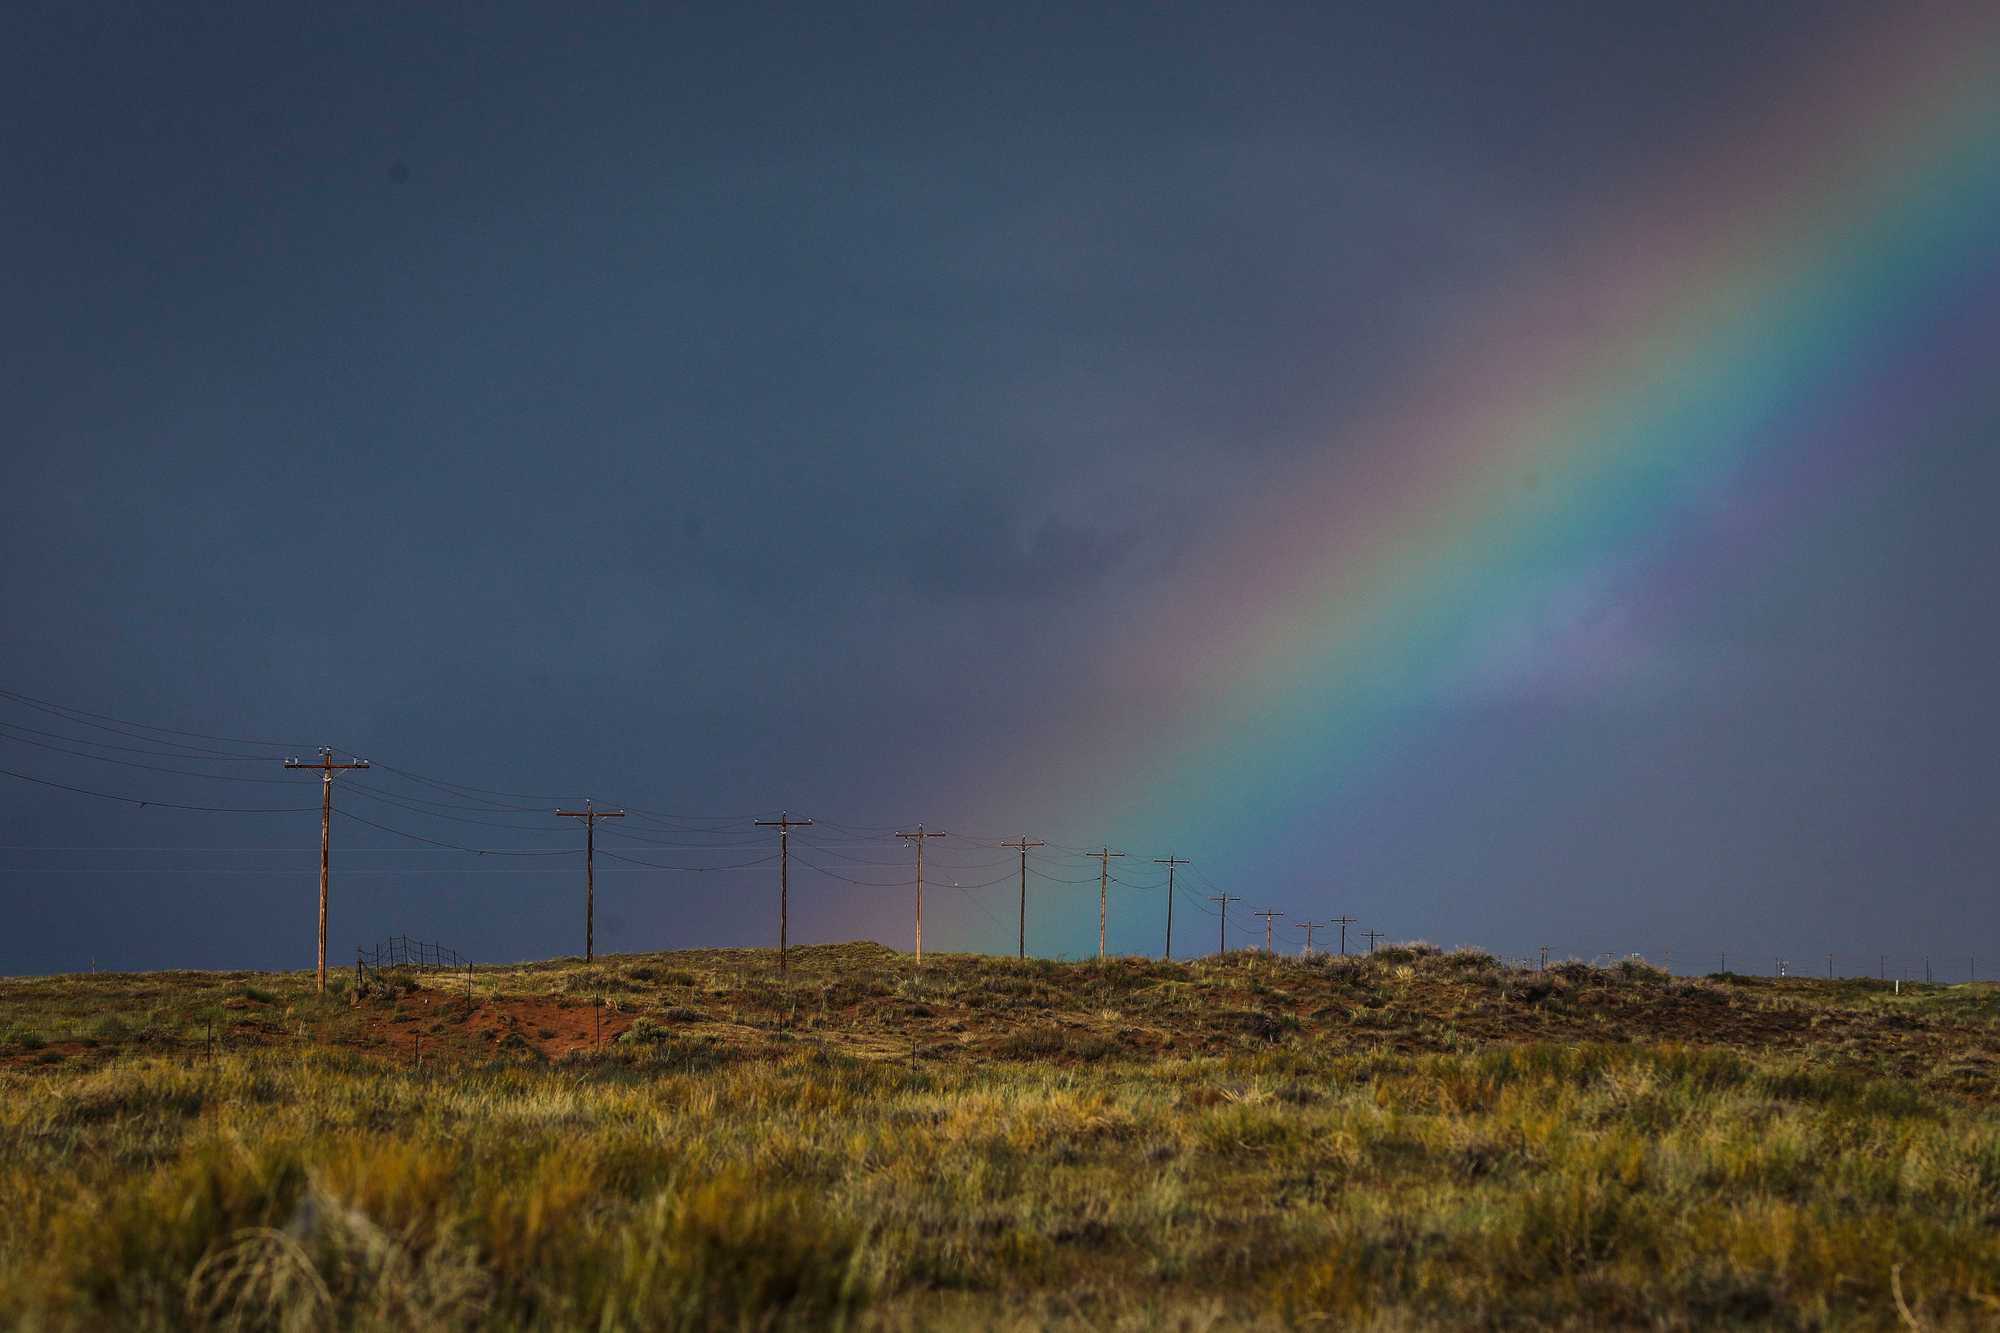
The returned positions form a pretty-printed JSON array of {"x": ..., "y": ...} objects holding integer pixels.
[
  {"x": 1882, "y": 967},
  {"x": 1267, "y": 929},
  {"x": 590, "y": 815},
  {"x": 1343, "y": 921},
  {"x": 327, "y": 768},
  {"x": 1103, "y": 856},
  {"x": 1222, "y": 900},
  {"x": 1372, "y": 935},
  {"x": 1829, "y": 967},
  {"x": 918, "y": 836},
  {"x": 784, "y": 823},
  {"x": 1310, "y": 927},
  {"x": 1022, "y": 844},
  {"x": 1170, "y": 862},
  {"x": 1545, "y": 958}
]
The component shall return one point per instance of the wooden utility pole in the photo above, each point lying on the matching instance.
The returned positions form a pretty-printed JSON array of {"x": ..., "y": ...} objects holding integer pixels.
[
  {"x": 1103, "y": 856},
  {"x": 1022, "y": 844},
  {"x": 327, "y": 768},
  {"x": 784, "y": 823},
  {"x": 1545, "y": 957},
  {"x": 1343, "y": 921},
  {"x": 917, "y": 837},
  {"x": 1310, "y": 927},
  {"x": 1268, "y": 949},
  {"x": 1170, "y": 862},
  {"x": 1222, "y": 900},
  {"x": 1372, "y": 935},
  {"x": 590, "y": 815}
]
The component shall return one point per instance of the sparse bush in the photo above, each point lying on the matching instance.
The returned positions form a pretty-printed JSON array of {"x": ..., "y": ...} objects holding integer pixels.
[{"x": 643, "y": 1032}]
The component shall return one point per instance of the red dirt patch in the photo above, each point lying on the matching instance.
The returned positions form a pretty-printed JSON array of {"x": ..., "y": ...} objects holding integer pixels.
[{"x": 431, "y": 1025}]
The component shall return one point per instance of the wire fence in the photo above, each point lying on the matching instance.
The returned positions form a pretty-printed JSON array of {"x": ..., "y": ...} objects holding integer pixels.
[{"x": 400, "y": 951}]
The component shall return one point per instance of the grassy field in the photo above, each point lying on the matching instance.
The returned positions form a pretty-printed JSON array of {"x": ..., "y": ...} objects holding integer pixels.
[{"x": 687, "y": 1140}]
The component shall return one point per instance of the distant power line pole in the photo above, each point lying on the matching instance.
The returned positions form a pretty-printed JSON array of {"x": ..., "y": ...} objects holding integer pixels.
[
  {"x": 1343, "y": 921},
  {"x": 1170, "y": 862},
  {"x": 327, "y": 768},
  {"x": 1267, "y": 930},
  {"x": 1310, "y": 927},
  {"x": 1372, "y": 935},
  {"x": 1103, "y": 856},
  {"x": 1222, "y": 900},
  {"x": 917, "y": 836},
  {"x": 590, "y": 815},
  {"x": 784, "y": 823},
  {"x": 1882, "y": 967},
  {"x": 1829, "y": 967},
  {"x": 1545, "y": 958},
  {"x": 1022, "y": 844}
]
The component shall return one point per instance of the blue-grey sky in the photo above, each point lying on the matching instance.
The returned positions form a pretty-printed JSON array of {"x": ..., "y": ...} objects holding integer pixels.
[{"x": 721, "y": 409}]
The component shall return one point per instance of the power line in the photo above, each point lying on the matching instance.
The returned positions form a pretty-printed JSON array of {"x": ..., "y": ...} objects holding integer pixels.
[
  {"x": 183, "y": 752},
  {"x": 164, "y": 805},
  {"x": 655, "y": 865},
  {"x": 132, "y": 763},
  {"x": 449, "y": 846},
  {"x": 51, "y": 706}
]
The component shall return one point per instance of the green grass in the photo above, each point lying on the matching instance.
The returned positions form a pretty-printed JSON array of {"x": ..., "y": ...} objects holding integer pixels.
[{"x": 1417, "y": 1140}]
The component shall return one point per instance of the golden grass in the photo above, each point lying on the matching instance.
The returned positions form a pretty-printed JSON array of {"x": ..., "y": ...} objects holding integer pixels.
[{"x": 1039, "y": 1168}]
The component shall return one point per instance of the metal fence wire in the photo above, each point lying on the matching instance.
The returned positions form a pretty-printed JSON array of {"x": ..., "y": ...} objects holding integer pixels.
[{"x": 402, "y": 951}]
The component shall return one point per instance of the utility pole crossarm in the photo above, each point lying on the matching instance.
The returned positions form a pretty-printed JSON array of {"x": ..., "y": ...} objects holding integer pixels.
[
  {"x": 1268, "y": 918},
  {"x": 590, "y": 815},
  {"x": 327, "y": 768}
]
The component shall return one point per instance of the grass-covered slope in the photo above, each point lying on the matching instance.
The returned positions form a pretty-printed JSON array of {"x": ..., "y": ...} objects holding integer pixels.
[{"x": 686, "y": 1140}]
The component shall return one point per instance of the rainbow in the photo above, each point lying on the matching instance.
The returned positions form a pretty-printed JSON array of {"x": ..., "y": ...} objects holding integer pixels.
[{"x": 1773, "y": 319}]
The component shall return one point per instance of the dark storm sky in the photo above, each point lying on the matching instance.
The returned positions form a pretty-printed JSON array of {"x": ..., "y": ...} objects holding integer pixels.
[{"x": 725, "y": 409}]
